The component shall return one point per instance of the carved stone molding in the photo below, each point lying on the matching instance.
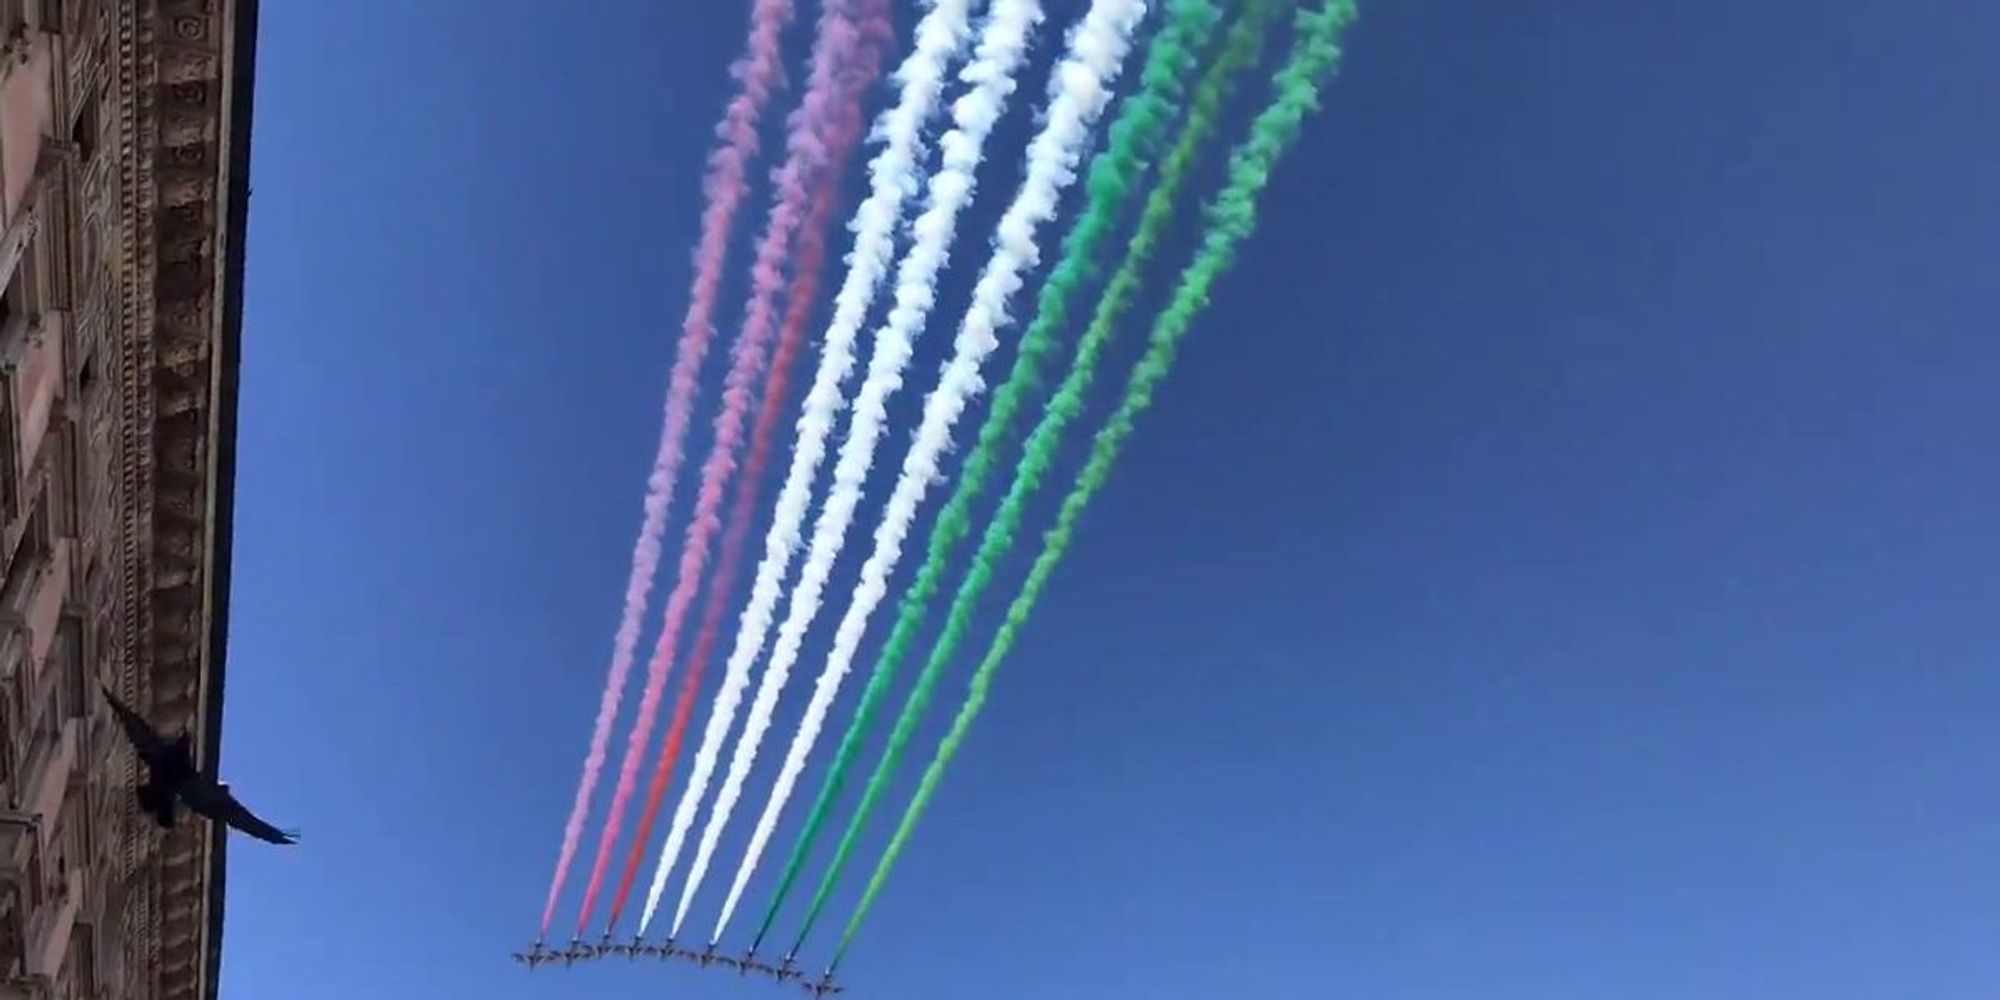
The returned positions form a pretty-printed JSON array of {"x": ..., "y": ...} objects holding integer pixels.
[{"x": 182, "y": 103}]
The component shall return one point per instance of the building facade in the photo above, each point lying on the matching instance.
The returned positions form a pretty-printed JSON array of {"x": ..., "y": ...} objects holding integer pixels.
[{"x": 124, "y": 133}]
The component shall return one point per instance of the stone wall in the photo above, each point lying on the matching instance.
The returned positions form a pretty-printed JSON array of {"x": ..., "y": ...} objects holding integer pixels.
[{"x": 123, "y": 152}]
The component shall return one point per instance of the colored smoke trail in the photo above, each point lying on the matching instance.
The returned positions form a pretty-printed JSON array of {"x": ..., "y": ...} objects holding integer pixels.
[
  {"x": 758, "y": 71},
  {"x": 846, "y": 31},
  {"x": 1141, "y": 121},
  {"x": 1040, "y": 449},
  {"x": 893, "y": 173},
  {"x": 1002, "y": 47},
  {"x": 809, "y": 264},
  {"x": 1232, "y": 216}
]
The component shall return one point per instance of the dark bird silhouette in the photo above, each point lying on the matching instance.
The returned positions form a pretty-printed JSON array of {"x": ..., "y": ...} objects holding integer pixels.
[{"x": 171, "y": 775}]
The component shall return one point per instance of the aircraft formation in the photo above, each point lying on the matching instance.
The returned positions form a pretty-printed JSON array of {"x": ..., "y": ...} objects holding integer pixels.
[
  {"x": 1139, "y": 88},
  {"x": 784, "y": 971}
]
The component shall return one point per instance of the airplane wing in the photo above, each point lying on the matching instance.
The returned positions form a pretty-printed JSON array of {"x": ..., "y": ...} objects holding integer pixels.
[{"x": 142, "y": 734}]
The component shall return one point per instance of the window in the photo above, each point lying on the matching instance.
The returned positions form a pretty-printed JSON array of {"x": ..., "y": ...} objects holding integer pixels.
[
  {"x": 84, "y": 131},
  {"x": 67, "y": 656},
  {"x": 48, "y": 726},
  {"x": 16, "y": 733},
  {"x": 11, "y": 331},
  {"x": 6, "y": 742},
  {"x": 102, "y": 638},
  {"x": 84, "y": 951},
  {"x": 55, "y": 869},
  {"x": 12, "y": 936},
  {"x": 29, "y": 559}
]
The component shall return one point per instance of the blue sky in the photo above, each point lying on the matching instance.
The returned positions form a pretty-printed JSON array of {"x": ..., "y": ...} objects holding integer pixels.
[{"x": 1561, "y": 567}]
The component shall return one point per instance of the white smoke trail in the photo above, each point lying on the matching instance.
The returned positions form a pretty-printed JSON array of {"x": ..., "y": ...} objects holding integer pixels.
[
  {"x": 1078, "y": 95},
  {"x": 893, "y": 177},
  {"x": 1002, "y": 48}
]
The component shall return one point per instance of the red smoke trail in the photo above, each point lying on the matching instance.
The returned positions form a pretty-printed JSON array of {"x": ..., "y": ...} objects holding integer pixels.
[
  {"x": 759, "y": 72},
  {"x": 849, "y": 40},
  {"x": 729, "y": 562}
]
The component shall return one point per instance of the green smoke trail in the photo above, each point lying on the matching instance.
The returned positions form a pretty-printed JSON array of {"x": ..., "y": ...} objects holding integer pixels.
[
  {"x": 1232, "y": 217},
  {"x": 1213, "y": 91},
  {"x": 1240, "y": 49},
  {"x": 1133, "y": 139}
]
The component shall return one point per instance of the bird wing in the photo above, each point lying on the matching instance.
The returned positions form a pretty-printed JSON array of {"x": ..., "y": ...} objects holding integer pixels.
[
  {"x": 238, "y": 815},
  {"x": 142, "y": 734},
  {"x": 215, "y": 801}
]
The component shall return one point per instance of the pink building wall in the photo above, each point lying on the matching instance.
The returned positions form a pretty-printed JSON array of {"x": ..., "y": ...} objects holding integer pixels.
[
  {"x": 36, "y": 386},
  {"x": 45, "y": 613},
  {"x": 25, "y": 109}
]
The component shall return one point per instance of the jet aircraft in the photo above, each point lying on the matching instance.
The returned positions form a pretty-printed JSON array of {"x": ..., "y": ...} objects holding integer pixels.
[
  {"x": 787, "y": 969},
  {"x": 823, "y": 987},
  {"x": 171, "y": 774}
]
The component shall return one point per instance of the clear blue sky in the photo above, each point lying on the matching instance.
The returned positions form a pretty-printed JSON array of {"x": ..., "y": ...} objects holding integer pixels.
[{"x": 1562, "y": 568}]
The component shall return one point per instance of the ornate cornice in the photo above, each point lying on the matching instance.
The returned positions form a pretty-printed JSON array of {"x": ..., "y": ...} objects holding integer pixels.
[{"x": 183, "y": 103}]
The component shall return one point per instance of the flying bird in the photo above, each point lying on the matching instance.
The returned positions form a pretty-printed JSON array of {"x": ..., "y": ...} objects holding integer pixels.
[{"x": 171, "y": 774}]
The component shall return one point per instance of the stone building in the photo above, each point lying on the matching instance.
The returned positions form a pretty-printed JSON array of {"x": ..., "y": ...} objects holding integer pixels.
[{"x": 124, "y": 140}]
